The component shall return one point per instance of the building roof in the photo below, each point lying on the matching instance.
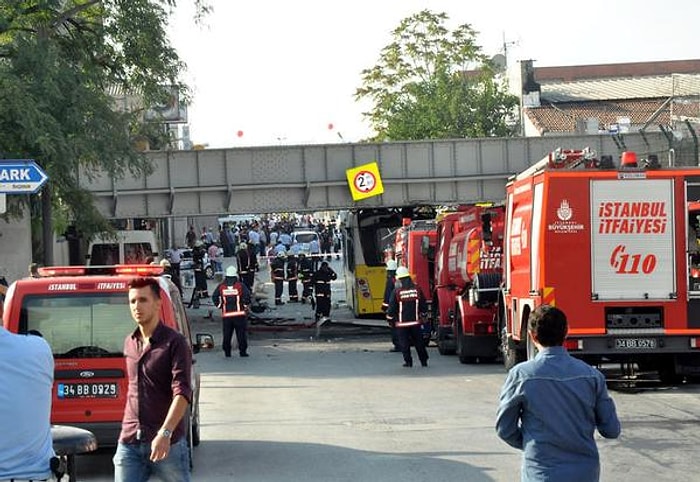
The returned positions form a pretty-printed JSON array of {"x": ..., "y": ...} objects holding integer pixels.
[{"x": 640, "y": 92}]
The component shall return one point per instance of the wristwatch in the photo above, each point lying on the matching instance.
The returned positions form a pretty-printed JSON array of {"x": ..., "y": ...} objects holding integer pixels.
[{"x": 165, "y": 432}]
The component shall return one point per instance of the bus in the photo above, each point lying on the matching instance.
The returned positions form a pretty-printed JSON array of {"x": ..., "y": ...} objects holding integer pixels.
[{"x": 369, "y": 234}]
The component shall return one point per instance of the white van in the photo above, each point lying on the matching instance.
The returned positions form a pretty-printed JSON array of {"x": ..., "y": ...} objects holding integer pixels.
[
  {"x": 303, "y": 238},
  {"x": 127, "y": 247}
]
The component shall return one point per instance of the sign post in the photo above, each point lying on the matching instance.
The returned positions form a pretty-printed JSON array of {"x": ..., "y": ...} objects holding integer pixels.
[
  {"x": 19, "y": 176},
  {"x": 364, "y": 181}
]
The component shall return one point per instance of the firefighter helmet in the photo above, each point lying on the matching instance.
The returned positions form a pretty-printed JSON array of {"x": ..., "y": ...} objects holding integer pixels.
[
  {"x": 402, "y": 272},
  {"x": 231, "y": 272}
]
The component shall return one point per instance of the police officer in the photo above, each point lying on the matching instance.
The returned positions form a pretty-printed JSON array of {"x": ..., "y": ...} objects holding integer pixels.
[
  {"x": 292, "y": 277},
  {"x": 277, "y": 273},
  {"x": 406, "y": 308},
  {"x": 391, "y": 266},
  {"x": 233, "y": 298},
  {"x": 321, "y": 280},
  {"x": 306, "y": 271}
]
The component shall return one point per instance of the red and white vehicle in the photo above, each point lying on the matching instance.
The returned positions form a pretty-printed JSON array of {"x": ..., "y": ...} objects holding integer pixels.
[
  {"x": 610, "y": 246},
  {"x": 468, "y": 269},
  {"x": 83, "y": 313},
  {"x": 414, "y": 248}
]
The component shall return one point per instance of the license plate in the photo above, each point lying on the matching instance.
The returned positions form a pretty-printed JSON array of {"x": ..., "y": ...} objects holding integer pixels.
[
  {"x": 635, "y": 343},
  {"x": 87, "y": 390}
]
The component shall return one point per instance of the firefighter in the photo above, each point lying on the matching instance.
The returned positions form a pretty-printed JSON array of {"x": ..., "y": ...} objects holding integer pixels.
[
  {"x": 306, "y": 271},
  {"x": 407, "y": 307},
  {"x": 233, "y": 298},
  {"x": 246, "y": 265},
  {"x": 321, "y": 280},
  {"x": 391, "y": 266},
  {"x": 292, "y": 277},
  {"x": 277, "y": 274}
]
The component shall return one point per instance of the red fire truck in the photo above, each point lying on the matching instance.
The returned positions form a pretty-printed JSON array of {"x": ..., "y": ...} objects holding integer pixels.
[
  {"x": 414, "y": 248},
  {"x": 468, "y": 270},
  {"x": 611, "y": 246}
]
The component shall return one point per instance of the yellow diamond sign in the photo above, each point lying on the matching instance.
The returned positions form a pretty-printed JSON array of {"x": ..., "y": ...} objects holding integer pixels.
[{"x": 364, "y": 181}]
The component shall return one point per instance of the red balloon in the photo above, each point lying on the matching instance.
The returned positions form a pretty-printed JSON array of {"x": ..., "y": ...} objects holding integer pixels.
[
  {"x": 330, "y": 126},
  {"x": 239, "y": 133}
]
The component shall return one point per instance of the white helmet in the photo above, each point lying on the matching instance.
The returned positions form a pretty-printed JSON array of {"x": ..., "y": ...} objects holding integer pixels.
[
  {"x": 402, "y": 272},
  {"x": 391, "y": 265},
  {"x": 231, "y": 272},
  {"x": 243, "y": 245}
]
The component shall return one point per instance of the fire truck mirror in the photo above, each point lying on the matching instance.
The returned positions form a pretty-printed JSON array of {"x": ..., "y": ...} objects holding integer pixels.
[{"x": 424, "y": 245}]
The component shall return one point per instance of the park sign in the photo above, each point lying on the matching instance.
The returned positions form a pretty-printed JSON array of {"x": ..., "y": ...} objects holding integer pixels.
[{"x": 21, "y": 176}]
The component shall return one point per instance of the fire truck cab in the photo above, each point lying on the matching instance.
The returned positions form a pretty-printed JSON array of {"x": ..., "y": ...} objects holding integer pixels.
[{"x": 613, "y": 247}]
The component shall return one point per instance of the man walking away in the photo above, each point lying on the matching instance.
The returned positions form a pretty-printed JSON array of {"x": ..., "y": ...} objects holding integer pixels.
[
  {"x": 305, "y": 274},
  {"x": 292, "y": 277},
  {"x": 551, "y": 405},
  {"x": 244, "y": 262},
  {"x": 322, "y": 286},
  {"x": 159, "y": 365},
  {"x": 407, "y": 307},
  {"x": 391, "y": 266},
  {"x": 277, "y": 274},
  {"x": 26, "y": 381},
  {"x": 233, "y": 298}
]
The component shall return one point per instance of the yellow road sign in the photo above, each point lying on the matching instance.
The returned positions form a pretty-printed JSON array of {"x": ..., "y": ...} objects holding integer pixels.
[{"x": 364, "y": 181}]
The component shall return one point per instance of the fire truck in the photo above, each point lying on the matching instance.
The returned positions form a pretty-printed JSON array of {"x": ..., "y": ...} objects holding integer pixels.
[
  {"x": 468, "y": 273},
  {"x": 414, "y": 248},
  {"x": 612, "y": 245}
]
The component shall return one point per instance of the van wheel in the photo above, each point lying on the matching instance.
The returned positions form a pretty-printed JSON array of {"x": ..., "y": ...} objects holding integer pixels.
[{"x": 209, "y": 272}]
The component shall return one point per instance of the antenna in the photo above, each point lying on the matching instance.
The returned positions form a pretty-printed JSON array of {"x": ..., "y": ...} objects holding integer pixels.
[{"x": 506, "y": 45}]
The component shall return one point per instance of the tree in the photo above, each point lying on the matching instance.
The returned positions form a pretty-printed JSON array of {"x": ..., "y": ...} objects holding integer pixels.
[
  {"x": 432, "y": 83},
  {"x": 60, "y": 63}
]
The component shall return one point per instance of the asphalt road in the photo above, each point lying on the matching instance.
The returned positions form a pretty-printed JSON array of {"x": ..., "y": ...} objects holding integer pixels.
[{"x": 337, "y": 406}]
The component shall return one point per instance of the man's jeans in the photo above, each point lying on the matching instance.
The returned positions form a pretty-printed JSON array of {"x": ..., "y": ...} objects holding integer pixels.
[{"x": 132, "y": 464}]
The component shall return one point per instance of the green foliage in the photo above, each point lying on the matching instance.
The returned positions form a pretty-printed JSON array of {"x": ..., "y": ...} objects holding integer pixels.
[
  {"x": 433, "y": 83},
  {"x": 63, "y": 63}
]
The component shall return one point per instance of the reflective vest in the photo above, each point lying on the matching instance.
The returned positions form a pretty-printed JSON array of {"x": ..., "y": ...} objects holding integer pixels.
[
  {"x": 232, "y": 300},
  {"x": 409, "y": 301}
]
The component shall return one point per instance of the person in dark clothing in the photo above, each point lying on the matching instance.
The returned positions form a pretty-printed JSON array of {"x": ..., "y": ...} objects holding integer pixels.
[
  {"x": 233, "y": 298},
  {"x": 169, "y": 271},
  {"x": 407, "y": 307},
  {"x": 246, "y": 265},
  {"x": 292, "y": 277},
  {"x": 321, "y": 280},
  {"x": 200, "y": 277},
  {"x": 277, "y": 274},
  {"x": 306, "y": 271},
  {"x": 391, "y": 266}
]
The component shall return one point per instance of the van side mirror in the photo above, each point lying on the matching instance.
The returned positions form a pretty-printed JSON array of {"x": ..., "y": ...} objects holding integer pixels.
[{"x": 204, "y": 341}]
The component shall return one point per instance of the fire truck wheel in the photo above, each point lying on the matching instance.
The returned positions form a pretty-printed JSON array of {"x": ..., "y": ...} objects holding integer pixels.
[
  {"x": 464, "y": 357},
  {"x": 512, "y": 355}
]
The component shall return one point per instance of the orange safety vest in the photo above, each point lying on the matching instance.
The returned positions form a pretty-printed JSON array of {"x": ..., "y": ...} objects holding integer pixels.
[{"x": 232, "y": 301}]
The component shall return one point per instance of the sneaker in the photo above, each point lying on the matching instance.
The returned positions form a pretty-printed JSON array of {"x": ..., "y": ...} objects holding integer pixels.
[
  {"x": 424, "y": 364},
  {"x": 395, "y": 350},
  {"x": 407, "y": 364},
  {"x": 227, "y": 355},
  {"x": 244, "y": 355}
]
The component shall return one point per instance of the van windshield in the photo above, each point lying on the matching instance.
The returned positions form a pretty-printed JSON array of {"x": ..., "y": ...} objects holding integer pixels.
[
  {"x": 305, "y": 237},
  {"x": 79, "y": 325}
]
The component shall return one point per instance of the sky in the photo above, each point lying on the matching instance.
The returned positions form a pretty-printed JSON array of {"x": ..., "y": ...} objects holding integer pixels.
[{"x": 280, "y": 72}]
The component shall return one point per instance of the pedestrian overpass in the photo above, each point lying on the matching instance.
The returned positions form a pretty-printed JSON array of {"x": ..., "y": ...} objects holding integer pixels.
[{"x": 313, "y": 178}]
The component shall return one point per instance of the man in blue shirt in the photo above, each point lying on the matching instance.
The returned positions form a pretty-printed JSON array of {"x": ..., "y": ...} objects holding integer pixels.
[
  {"x": 550, "y": 407},
  {"x": 26, "y": 380}
]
